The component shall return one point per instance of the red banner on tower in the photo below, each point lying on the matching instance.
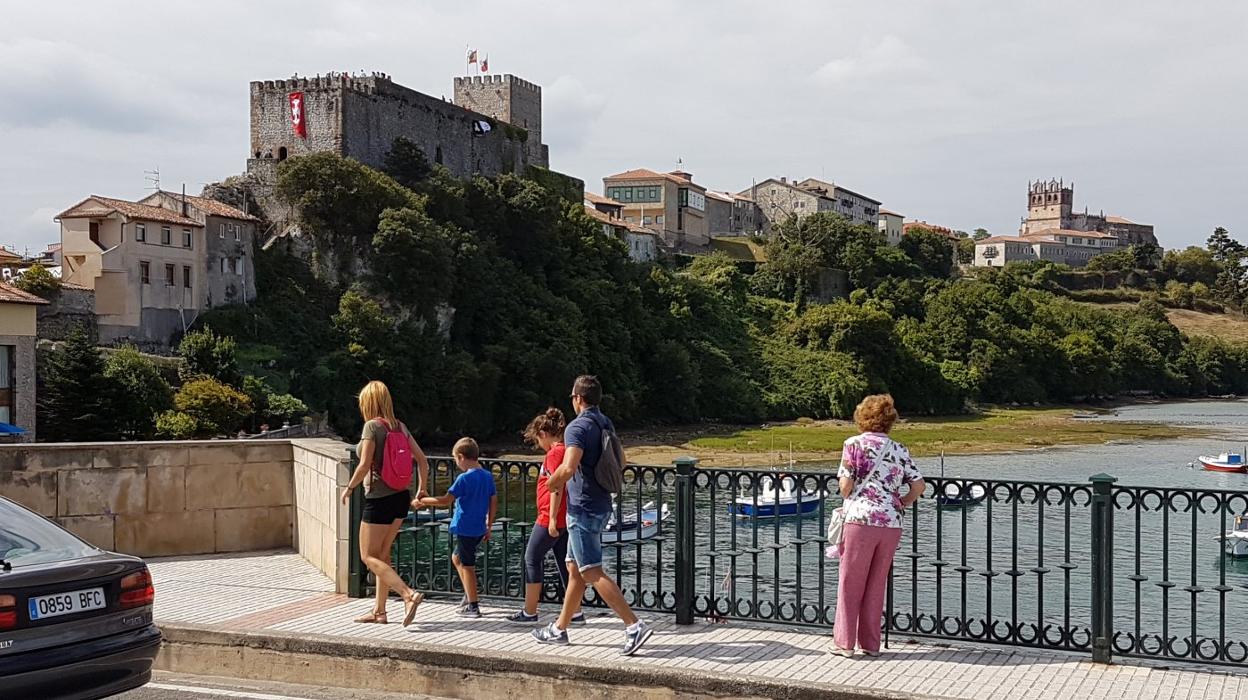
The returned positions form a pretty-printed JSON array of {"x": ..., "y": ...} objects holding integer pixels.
[{"x": 297, "y": 120}]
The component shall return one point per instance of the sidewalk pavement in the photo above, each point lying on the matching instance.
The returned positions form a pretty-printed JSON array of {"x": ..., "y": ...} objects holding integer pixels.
[{"x": 278, "y": 592}]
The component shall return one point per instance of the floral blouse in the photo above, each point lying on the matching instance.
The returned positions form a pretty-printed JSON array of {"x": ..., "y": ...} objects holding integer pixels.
[{"x": 877, "y": 501}]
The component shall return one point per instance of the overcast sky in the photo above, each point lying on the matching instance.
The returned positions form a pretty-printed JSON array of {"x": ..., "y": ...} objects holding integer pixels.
[{"x": 942, "y": 110}]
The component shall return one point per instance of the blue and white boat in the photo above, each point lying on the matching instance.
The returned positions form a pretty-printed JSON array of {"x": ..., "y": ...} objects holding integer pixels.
[
  {"x": 958, "y": 495},
  {"x": 768, "y": 502}
]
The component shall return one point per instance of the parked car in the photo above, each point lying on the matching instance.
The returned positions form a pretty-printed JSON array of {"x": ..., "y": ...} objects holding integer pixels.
[{"x": 75, "y": 620}]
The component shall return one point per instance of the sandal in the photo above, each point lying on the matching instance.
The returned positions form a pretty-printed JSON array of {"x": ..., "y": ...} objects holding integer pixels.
[
  {"x": 373, "y": 618},
  {"x": 410, "y": 607}
]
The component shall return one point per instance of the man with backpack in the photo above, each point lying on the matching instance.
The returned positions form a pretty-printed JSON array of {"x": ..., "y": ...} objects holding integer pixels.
[{"x": 592, "y": 469}]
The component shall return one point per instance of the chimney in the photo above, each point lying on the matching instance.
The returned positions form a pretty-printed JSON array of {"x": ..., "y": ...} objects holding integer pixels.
[
  {"x": 184, "y": 199},
  {"x": 784, "y": 180},
  {"x": 682, "y": 175}
]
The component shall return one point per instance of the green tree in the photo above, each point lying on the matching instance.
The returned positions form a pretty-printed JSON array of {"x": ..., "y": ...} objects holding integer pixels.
[
  {"x": 1190, "y": 265},
  {"x": 39, "y": 281},
  {"x": 75, "y": 401},
  {"x": 980, "y": 234},
  {"x": 1179, "y": 294},
  {"x": 1117, "y": 261},
  {"x": 966, "y": 251},
  {"x": 176, "y": 425},
  {"x": 932, "y": 252},
  {"x": 284, "y": 407},
  {"x": 1223, "y": 248},
  {"x": 142, "y": 392},
  {"x": 216, "y": 407},
  {"x": 206, "y": 354},
  {"x": 406, "y": 163}
]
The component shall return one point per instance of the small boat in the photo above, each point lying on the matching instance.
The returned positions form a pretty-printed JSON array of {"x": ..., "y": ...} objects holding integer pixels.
[
  {"x": 635, "y": 526},
  {"x": 1235, "y": 541},
  {"x": 1225, "y": 462},
  {"x": 958, "y": 495},
  {"x": 427, "y": 515},
  {"x": 767, "y": 502}
]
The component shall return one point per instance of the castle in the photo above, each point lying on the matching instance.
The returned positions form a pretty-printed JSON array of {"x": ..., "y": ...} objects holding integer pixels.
[
  {"x": 1050, "y": 208},
  {"x": 493, "y": 126}
]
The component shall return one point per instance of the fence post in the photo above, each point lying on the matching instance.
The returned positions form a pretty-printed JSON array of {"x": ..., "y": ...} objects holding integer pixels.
[
  {"x": 685, "y": 529},
  {"x": 356, "y": 572},
  {"x": 1102, "y": 568}
]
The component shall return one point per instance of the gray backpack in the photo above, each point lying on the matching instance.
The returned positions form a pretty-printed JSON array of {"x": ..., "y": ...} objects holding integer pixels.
[{"x": 609, "y": 472}]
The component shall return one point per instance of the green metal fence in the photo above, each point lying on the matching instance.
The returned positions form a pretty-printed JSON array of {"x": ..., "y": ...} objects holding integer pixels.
[{"x": 1022, "y": 563}]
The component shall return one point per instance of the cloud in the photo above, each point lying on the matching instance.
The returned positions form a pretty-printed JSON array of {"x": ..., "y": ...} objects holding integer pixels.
[
  {"x": 60, "y": 83},
  {"x": 890, "y": 57},
  {"x": 570, "y": 113}
]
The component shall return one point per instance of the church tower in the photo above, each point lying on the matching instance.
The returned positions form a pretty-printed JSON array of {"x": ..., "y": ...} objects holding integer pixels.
[{"x": 1049, "y": 205}]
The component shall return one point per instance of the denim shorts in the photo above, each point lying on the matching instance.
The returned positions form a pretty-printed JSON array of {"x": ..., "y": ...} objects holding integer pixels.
[{"x": 585, "y": 538}]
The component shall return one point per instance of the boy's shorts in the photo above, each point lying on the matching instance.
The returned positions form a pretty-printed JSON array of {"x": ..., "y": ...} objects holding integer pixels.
[{"x": 466, "y": 549}]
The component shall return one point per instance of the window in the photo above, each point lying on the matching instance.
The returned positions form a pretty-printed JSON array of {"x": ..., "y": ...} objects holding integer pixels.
[
  {"x": 145, "y": 272},
  {"x": 221, "y": 233},
  {"x": 238, "y": 266},
  {"x": 186, "y": 276},
  {"x": 140, "y": 232},
  {"x": 225, "y": 266},
  {"x": 647, "y": 220},
  {"x": 169, "y": 269},
  {"x": 186, "y": 238},
  {"x": 658, "y": 219},
  {"x": 93, "y": 231},
  {"x": 7, "y": 356},
  {"x": 166, "y": 235},
  {"x": 238, "y": 232}
]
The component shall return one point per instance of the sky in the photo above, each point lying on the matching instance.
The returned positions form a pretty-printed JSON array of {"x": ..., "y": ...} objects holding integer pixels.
[{"x": 942, "y": 110}]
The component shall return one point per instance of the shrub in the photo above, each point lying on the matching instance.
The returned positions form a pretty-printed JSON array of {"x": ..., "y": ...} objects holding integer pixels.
[
  {"x": 216, "y": 407},
  {"x": 176, "y": 425},
  {"x": 285, "y": 407},
  {"x": 39, "y": 281},
  {"x": 207, "y": 354},
  {"x": 142, "y": 392}
]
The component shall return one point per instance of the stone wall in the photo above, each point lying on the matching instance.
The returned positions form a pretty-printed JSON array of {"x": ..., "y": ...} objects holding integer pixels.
[
  {"x": 321, "y": 470},
  {"x": 70, "y": 308},
  {"x": 23, "y": 383},
  {"x": 159, "y": 498}
]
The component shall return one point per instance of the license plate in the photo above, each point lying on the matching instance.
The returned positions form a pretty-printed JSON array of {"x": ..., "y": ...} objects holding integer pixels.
[{"x": 45, "y": 606}]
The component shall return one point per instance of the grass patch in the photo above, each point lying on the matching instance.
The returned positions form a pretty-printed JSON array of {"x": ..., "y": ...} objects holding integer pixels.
[{"x": 995, "y": 430}]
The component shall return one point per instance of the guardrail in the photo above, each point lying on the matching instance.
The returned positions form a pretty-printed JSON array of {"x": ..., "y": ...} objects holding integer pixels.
[{"x": 1025, "y": 563}]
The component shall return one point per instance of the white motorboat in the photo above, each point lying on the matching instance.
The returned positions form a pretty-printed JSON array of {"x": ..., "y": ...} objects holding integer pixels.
[
  {"x": 636, "y": 525},
  {"x": 1235, "y": 541}
]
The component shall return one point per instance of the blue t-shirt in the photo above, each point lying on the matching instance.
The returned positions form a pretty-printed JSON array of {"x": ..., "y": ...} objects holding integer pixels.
[
  {"x": 472, "y": 491},
  {"x": 584, "y": 493}
]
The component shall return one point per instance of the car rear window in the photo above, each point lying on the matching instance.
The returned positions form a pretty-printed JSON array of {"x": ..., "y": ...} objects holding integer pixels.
[{"x": 27, "y": 539}]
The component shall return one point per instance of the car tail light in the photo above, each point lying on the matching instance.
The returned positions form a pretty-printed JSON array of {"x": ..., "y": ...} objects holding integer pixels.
[
  {"x": 8, "y": 612},
  {"x": 137, "y": 590}
]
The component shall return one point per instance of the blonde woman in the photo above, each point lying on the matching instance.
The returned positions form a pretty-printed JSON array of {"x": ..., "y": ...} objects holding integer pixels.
[
  {"x": 384, "y": 507},
  {"x": 874, "y": 471}
]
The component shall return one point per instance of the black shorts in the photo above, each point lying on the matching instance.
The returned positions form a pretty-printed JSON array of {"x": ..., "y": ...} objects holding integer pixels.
[
  {"x": 466, "y": 549},
  {"x": 387, "y": 509}
]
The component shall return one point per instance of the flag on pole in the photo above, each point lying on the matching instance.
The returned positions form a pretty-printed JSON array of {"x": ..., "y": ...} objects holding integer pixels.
[
  {"x": 485, "y": 64},
  {"x": 472, "y": 56}
]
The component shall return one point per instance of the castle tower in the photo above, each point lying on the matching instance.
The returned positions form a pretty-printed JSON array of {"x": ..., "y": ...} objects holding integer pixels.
[
  {"x": 1049, "y": 205},
  {"x": 508, "y": 99}
]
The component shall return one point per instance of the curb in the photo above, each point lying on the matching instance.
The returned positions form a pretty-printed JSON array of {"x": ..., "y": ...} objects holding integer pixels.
[{"x": 463, "y": 672}]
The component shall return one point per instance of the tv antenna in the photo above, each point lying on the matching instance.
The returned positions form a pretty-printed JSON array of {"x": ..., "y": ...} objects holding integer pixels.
[{"x": 152, "y": 176}]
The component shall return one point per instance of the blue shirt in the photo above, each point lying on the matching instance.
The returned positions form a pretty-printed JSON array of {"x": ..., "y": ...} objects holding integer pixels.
[
  {"x": 584, "y": 493},
  {"x": 472, "y": 491}
]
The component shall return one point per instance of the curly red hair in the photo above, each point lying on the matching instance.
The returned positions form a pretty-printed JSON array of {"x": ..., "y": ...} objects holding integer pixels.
[{"x": 876, "y": 414}]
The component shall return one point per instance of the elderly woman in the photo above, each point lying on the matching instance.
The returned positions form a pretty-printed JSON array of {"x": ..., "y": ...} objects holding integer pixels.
[{"x": 874, "y": 472}]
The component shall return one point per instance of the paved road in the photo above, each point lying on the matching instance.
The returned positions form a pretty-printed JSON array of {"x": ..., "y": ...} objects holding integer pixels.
[{"x": 168, "y": 686}]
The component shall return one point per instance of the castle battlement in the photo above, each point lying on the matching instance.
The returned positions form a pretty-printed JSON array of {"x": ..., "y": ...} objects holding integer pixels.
[{"x": 499, "y": 80}]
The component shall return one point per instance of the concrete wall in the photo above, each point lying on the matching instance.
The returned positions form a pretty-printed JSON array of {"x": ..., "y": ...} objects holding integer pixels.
[
  {"x": 159, "y": 498},
  {"x": 321, "y": 470}
]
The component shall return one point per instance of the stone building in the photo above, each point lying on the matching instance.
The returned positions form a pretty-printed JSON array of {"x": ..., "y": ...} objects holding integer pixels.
[
  {"x": 642, "y": 243},
  {"x": 1074, "y": 248},
  {"x": 778, "y": 198},
  {"x": 155, "y": 265},
  {"x": 729, "y": 214},
  {"x": 1050, "y": 206},
  {"x": 671, "y": 205},
  {"x": 17, "y": 358},
  {"x": 494, "y": 127}
]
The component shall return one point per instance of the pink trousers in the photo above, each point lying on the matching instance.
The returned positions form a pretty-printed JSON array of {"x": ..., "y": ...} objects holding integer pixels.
[{"x": 866, "y": 557}]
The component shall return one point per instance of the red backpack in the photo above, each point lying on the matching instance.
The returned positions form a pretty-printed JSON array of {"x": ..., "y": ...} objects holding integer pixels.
[{"x": 396, "y": 461}]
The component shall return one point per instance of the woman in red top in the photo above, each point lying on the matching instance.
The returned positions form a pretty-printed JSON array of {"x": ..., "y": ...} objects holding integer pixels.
[{"x": 551, "y": 530}]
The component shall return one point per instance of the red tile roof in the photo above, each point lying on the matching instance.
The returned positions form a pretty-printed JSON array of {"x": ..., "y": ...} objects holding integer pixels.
[
  {"x": 1119, "y": 220},
  {"x": 96, "y": 206},
  {"x": 1068, "y": 232},
  {"x": 12, "y": 295},
  {"x": 212, "y": 207},
  {"x": 646, "y": 174},
  {"x": 599, "y": 199}
]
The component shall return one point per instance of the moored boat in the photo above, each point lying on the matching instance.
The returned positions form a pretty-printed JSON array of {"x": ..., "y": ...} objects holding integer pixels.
[
  {"x": 768, "y": 502},
  {"x": 635, "y": 526},
  {"x": 1225, "y": 462},
  {"x": 1235, "y": 541}
]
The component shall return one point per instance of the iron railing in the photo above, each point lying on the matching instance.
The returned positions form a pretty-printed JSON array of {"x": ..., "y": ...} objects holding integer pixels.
[{"x": 1092, "y": 567}]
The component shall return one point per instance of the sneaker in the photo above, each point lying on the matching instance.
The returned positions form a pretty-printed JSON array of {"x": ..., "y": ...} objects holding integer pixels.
[
  {"x": 521, "y": 616},
  {"x": 551, "y": 635},
  {"x": 470, "y": 610},
  {"x": 579, "y": 619},
  {"x": 633, "y": 640}
]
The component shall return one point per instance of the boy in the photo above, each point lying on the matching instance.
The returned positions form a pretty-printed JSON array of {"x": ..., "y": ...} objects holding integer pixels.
[{"x": 476, "y": 502}]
